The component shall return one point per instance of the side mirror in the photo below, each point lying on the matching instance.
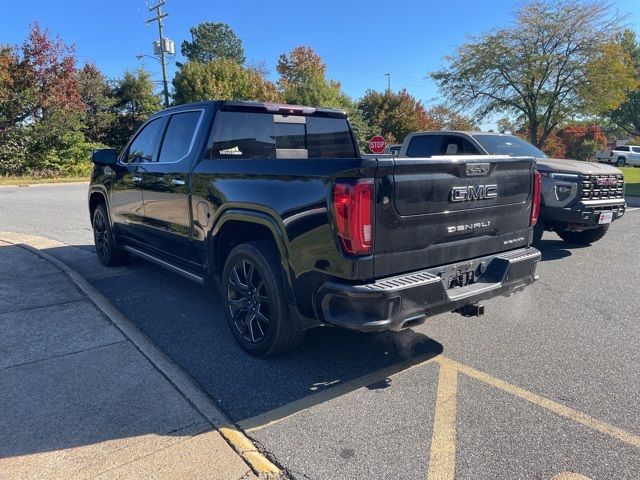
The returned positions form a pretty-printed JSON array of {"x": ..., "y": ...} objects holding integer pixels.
[{"x": 104, "y": 156}]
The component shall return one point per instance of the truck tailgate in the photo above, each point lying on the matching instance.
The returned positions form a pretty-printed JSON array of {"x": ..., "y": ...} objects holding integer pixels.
[{"x": 440, "y": 210}]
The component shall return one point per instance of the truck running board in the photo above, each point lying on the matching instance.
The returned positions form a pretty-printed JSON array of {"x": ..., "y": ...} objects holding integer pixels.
[{"x": 163, "y": 263}]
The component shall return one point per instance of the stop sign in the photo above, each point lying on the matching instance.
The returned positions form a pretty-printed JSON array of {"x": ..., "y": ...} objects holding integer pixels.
[{"x": 377, "y": 144}]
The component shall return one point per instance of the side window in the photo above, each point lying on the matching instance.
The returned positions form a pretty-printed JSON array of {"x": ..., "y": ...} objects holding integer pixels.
[
  {"x": 636, "y": 149},
  {"x": 141, "y": 150},
  {"x": 425, "y": 146},
  {"x": 243, "y": 135},
  {"x": 622, "y": 148},
  {"x": 179, "y": 136}
]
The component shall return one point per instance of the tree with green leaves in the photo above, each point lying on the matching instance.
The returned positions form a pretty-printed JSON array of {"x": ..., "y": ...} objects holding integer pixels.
[
  {"x": 212, "y": 41},
  {"x": 557, "y": 61},
  {"x": 393, "y": 115},
  {"x": 134, "y": 101},
  {"x": 441, "y": 117},
  {"x": 95, "y": 93},
  {"x": 627, "y": 116},
  {"x": 303, "y": 81},
  {"x": 222, "y": 80}
]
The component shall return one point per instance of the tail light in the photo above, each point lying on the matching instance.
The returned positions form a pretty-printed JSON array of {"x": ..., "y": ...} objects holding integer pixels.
[
  {"x": 535, "y": 206},
  {"x": 352, "y": 212}
]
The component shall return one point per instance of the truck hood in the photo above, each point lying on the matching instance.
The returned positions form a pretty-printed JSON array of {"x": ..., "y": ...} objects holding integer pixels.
[{"x": 575, "y": 166}]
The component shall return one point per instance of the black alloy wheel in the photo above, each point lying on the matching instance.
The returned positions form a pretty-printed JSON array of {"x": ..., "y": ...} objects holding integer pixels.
[
  {"x": 107, "y": 251},
  {"x": 248, "y": 301},
  {"x": 101, "y": 236},
  {"x": 256, "y": 310}
]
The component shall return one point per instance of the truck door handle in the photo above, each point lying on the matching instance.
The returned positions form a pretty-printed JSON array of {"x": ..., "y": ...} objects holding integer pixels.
[
  {"x": 136, "y": 179},
  {"x": 177, "y": 182}
]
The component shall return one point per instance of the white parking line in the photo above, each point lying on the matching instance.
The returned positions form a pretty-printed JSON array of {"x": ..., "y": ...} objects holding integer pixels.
[{"x": 632, "y": 209}]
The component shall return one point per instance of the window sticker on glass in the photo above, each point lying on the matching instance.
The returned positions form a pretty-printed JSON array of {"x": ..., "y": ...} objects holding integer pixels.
[{"x": 230, "y": 151}]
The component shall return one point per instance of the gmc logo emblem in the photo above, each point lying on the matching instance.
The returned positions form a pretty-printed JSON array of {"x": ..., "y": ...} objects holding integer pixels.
[{"x": 474, "y": 192}]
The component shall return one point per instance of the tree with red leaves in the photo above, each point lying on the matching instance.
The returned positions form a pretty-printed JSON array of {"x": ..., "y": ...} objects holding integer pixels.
[
  {"x": 39, "y": 76},
  {"x": 581, "y": 141}
]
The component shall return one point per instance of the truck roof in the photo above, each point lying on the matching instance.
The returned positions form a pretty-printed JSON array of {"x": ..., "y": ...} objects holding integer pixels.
[
  {"x": 260, "y": 106},
  {"x": 465, "y": 132}
]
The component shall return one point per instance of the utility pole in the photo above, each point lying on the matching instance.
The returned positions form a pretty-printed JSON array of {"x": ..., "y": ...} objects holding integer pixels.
[
  {"x": 388, "y": 75},
  {"x": 159, "y": 16}
]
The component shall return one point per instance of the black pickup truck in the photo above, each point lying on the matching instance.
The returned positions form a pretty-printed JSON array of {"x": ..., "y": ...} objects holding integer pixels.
[{"x": 277, "y": 206}]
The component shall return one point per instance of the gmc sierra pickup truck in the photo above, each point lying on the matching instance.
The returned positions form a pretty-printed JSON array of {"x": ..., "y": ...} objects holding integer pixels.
[
  {"x": 579, "y": 199},
  {"x": 277, "y": 206}
]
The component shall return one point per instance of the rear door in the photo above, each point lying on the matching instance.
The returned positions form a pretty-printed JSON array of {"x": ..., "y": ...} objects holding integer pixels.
[{"x": 446, "y": 209}]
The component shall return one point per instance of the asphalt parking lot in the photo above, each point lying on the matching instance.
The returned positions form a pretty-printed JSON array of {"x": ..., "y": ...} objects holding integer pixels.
[{"x": 545, "y": 385}]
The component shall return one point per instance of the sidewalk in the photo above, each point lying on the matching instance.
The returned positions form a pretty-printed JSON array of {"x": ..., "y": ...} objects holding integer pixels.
[{"x": 78, "y": 399}]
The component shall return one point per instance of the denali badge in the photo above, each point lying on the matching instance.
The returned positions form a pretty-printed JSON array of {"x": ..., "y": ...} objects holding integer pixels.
[
  {"x": 468, "y": 226},
  {"x": 474, "y": 192},
  {"x": 478, "y": 169}
]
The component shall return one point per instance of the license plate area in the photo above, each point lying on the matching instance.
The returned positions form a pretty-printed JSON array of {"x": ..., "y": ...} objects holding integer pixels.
[
  {"x": 605, "y": 217},
  {"x": 459, "y": 275}
]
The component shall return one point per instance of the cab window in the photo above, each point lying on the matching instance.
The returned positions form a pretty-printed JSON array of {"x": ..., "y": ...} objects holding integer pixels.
[
  {"x": 142, "y": 148},
  {"x": 265, "y": 136},
  {"x": 179, "y": 136}
]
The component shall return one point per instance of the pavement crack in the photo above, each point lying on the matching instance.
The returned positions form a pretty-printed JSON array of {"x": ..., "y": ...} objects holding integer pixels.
[
  {"x": 43, "y": 306},
  {"x": 64, "y": 355}
]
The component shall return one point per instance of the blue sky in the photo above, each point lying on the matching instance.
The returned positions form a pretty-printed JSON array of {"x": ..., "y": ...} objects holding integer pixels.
[{"x": 359, "y": 40}]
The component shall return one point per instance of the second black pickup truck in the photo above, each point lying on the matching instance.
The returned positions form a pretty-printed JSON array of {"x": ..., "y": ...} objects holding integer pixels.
[{"x": 277, "y": 203}]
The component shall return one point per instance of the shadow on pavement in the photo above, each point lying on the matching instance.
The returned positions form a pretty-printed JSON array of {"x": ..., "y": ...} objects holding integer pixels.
[
  {"x": 556, "y": 249},
  {"x": 186, "y": 321}
]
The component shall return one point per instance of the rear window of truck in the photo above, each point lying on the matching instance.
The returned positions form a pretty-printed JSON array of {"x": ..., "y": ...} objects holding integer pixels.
[{"x": 267, "y": 136}]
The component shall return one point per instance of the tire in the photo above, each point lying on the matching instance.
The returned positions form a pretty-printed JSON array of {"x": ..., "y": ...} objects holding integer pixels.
[
  {"x": 255, "y": 303},
  {"x": 107, "y": 251},
  {"x": 538, "y": 230},
  {"x": 586, "y": 237},
  {"x": 621, "y": 162}
]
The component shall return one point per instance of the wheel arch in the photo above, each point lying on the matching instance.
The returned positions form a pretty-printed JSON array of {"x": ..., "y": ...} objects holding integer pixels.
[
  {"x": 237, "y": 226},
  {"x": 97, "y": 196}
]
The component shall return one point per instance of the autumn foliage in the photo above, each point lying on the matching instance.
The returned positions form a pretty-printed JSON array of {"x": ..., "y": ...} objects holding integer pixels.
[
  {"x": 37, "y": 78},
  {"x": 574, "y": 141}
]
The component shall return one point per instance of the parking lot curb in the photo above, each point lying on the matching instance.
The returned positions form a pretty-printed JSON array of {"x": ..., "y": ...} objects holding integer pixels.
[{"x": 190, "y": 390}]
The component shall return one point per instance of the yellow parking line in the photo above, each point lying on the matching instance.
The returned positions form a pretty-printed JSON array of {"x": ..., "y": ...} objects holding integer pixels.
[
  {"x": 545, "y": 403},
  {"x": 569, "y": 476},
  {"x": 442, "y": 460}
]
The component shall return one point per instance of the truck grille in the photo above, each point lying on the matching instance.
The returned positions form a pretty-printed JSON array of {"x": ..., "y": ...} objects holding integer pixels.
[{"x": 598, "y": 187}]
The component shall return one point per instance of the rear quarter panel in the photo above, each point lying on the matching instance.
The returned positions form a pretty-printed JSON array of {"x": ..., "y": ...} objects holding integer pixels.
[{"x": 295, "y": 194}]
